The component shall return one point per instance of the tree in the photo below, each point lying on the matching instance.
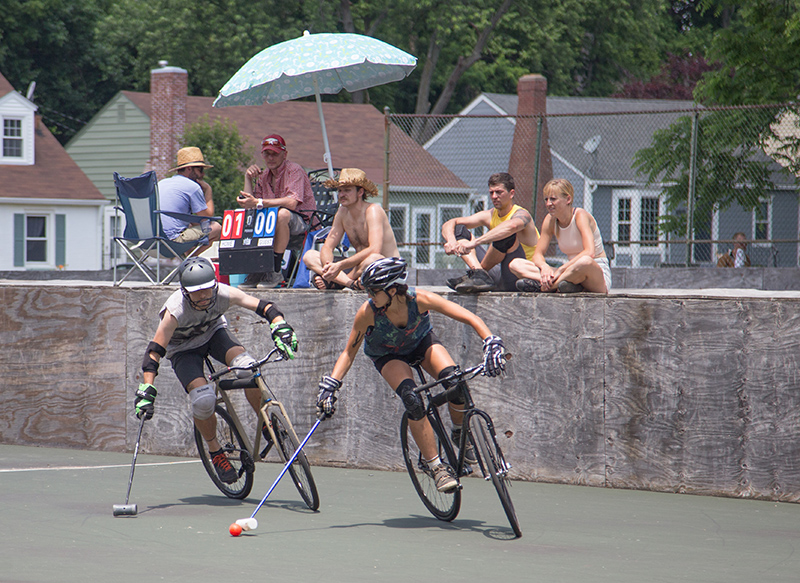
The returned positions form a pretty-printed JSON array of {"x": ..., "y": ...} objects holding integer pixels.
[
  {"x": 676, "y": 80},
  {"x": 52, "y": 43},
  {"x": 224, "y": 147}
]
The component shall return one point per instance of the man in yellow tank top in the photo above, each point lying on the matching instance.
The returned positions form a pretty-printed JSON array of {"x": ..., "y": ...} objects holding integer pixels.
[{"x": 511, "y": 234}]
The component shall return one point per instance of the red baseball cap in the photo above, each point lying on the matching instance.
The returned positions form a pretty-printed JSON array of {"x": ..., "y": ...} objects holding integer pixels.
[{"x": 274, "y": 143}]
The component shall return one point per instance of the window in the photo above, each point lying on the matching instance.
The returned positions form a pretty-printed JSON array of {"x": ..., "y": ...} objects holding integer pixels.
[
  {"x": 12, "y": 138},
  {"x": 761, "y": 221},
  {"x": 398, "y": 220},
  {"x": 635, "y": 222},
  {"x": 422, "y": 234},
  {"x": 35, "y": 239}
]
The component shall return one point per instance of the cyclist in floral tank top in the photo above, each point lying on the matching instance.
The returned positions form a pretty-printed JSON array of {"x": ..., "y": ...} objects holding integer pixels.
[{"x": 394, "y": 324}]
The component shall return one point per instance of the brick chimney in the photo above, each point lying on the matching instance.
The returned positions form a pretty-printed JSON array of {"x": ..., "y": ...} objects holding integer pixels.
[
  {"x": 532, "y": 101},
  {"x": 168, "y": 89}
]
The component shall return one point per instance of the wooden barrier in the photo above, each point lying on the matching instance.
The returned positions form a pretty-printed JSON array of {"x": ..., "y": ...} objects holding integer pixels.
[{"x": 675, "y": 394}]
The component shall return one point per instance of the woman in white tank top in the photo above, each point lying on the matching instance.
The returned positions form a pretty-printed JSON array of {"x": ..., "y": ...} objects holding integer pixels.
[{"x": 578, "y": 237}]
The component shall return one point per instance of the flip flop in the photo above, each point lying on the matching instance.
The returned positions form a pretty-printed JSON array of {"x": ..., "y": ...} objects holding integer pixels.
[{"x": 325, "y": 284}]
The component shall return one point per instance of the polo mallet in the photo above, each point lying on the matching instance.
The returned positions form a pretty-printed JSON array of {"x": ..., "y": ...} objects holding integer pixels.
[
  {"x": 131, "y": 509},
  {"x": 251, "y": 523}
]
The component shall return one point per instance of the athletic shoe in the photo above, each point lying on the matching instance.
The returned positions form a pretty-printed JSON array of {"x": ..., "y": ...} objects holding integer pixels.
[
  {"x": 454, "y": 281},
  {"x": 478, "y": 280},
  {"x": 251, "y": 281},
  {"x": 224, "y": 468},
  {"x": 528, "y": 285},
  {"x": 445, "y": 478},
  {"x": 271, "y": 279},
  {"x": 469, "y": 451},
  {"x": 567, "y": 287}
]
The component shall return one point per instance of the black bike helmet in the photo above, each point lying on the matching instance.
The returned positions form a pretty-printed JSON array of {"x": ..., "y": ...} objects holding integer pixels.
[
  {"x": 385, "y": 273},
  {"x": 197, "y": 273}
]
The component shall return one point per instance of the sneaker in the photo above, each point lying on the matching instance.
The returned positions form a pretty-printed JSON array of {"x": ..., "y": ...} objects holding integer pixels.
[
  {"x": 251, "y": 281},
  {"x": 567, "y": 287},
  {"x": 528, "y": 285},
  {"x": 454, "y": 281},
  {"x": 469, "y": 451},
  {"x": 445, "y": 478},
  {"x": 478, "y": 280},
  {"x": 270, "y": 280},
  {"x": 224, "y": 468}
]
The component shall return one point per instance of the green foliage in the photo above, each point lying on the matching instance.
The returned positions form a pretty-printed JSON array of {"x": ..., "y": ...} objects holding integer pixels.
[
  {"x": 222, "y": 146},
  {"x": 731, "y": 165}
]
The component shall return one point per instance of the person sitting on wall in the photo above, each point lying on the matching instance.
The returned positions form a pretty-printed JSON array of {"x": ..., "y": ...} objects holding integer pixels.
[
  {"x": 366, "y": 226},
  {"x": 578, "y": 237},
  {"x": 736, "y": 257},
  {"x": 512, "y": 234},
  {"x": 188, "y": 192}
]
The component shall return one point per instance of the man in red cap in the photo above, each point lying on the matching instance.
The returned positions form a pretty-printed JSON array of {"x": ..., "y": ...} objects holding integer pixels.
[{"x": 285, "y": 185}]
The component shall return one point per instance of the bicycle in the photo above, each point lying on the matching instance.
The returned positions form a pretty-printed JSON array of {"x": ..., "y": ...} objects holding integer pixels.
[
  {"x": 240, "y": 450},
  {"x": 478, "y": 428}
]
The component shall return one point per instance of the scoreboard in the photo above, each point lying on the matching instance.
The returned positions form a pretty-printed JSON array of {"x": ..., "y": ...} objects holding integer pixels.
[{"x": 246, "y": 242}]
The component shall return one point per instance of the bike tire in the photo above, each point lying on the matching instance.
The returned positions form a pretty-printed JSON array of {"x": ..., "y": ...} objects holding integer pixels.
[
  {"x": 444, "y": 506},
  {"x": 493, "y": 464},
  {"x": 238, "y": 456},
  {"x": 300, "y": 470}
]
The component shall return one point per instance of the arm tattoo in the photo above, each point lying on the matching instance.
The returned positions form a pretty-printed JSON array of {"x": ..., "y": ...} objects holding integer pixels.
[
  {"x": 524, "y": 216},
  {"x": 357, "y": 340}
]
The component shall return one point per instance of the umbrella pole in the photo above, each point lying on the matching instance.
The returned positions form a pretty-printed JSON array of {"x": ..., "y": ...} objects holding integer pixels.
[{"x": 324, "y": 131}]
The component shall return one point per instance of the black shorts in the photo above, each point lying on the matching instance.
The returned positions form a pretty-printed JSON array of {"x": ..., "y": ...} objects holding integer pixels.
[
  {"x": 188, "y": 365},
  {"x": 412, "y": 358}
]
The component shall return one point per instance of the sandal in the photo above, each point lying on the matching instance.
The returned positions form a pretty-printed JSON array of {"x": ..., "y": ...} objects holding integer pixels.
[
  {"x": 356, "y": 285},
  {"x": 323, "y": 284}
]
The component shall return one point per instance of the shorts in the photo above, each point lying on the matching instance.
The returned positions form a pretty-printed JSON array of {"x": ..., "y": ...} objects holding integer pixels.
[
  {"x": 188, "y": 364},
  {"x": 413, "y": 357},
  {"x": 297, "y": 224},
  {"x": 502, "y": 276},
  {"x": 191, "y": 233},
  {"x": 604, "y": 265},
  {"x": 503, "y": 245}
]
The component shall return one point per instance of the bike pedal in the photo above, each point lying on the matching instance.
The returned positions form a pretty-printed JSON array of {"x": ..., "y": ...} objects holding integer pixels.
[
  {"x": 466, "y": 470},
  {"x": 266, "y": 449}
]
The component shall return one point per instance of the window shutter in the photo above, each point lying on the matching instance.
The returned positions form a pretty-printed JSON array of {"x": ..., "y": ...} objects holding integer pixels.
[
  {"x": 19, "y": 240},
  {"x": 61, "y": 240}
]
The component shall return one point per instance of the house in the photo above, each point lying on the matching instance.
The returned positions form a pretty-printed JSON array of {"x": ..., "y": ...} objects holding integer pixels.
[
  {"x": 50, "y": 212},
  {"x": 138, "y": 131},
  {"x": 593, "y": 142}
]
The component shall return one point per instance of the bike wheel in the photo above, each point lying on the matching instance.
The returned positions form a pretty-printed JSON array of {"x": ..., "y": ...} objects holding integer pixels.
[
  {"x": 238, "y": 456},
  {"x": 443, "y": 505},
  {"x": 493, "y": 464},
  {"x": 300, "y": 470}
]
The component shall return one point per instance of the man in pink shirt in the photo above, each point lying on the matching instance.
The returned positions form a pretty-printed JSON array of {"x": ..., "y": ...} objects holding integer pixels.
[{"x": 283, "y": 184}]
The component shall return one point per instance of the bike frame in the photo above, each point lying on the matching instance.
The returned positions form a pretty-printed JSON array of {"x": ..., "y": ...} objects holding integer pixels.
[{"x": 223, "y": 386}]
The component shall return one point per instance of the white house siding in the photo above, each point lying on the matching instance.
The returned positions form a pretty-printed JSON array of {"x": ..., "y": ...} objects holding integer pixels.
[{"x": 82, "y": 228}]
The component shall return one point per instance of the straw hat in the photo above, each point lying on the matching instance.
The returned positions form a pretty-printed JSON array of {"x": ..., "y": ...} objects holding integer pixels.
[
  {"x": 355, "y": 177},
  {"x": 190, "y": 157}
]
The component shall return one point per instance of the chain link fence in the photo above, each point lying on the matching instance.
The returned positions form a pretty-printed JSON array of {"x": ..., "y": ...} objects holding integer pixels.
[{"x": 666, "y": 186}]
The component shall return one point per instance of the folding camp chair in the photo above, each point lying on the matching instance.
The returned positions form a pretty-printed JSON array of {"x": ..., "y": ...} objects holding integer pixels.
[{"x": 137, "y": 198}]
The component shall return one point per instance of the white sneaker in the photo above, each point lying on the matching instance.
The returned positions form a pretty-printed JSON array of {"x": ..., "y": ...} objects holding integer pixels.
[{"x": 445, "y": 478}]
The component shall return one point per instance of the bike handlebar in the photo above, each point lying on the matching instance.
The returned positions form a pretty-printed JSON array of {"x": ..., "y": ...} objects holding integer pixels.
[{"x": 253, "y": 367}]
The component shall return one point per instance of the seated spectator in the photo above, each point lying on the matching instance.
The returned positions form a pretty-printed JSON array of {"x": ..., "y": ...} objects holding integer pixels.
[
  {"x": 188, "y": 192},
  {"x": 736, "y": 257},
  {"x": 285, "y": 185},
  {"x": 365, "y": 224},
  {"x": 512, "y": 234},
  {"x": 578, "y": 237}
]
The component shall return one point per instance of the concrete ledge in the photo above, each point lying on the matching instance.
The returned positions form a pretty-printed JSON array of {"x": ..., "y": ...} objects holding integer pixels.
[{"x": 664, "y": 392}]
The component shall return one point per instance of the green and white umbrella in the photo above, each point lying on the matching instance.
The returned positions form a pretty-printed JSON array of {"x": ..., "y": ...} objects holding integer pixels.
[{"x": 312, "y": 65}]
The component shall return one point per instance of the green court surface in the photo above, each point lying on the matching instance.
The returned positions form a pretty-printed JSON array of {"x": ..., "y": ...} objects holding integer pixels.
[{"x": 56, "y": 509}]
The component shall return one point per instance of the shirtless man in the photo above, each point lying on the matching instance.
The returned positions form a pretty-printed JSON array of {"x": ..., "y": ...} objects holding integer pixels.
[
  {"x": 511, "y": 234},
  {"x": 365, "y": 224}
]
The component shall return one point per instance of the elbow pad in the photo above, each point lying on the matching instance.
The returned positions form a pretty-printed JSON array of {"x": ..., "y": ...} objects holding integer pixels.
[{"x": 149, "y": 364}]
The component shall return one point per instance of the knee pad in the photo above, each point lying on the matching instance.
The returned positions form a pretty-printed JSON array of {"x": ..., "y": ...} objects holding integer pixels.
[
  {"x": 203, "y": 399},
  {"x": 458, "y": 397},
  {"x": 411, "y": 400},
  {"x": 243, "y": 359}
]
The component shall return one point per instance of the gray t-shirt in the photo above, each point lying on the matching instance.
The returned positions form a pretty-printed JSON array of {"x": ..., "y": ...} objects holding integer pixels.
[{"x": 195, "y": 327}]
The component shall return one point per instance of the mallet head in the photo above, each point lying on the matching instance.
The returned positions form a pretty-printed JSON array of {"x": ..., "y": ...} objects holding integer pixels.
[{"x": 125, "y": 510}]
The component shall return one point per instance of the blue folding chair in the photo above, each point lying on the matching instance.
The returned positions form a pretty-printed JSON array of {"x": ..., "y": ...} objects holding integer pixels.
[{"x": 137, "y": 198}]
